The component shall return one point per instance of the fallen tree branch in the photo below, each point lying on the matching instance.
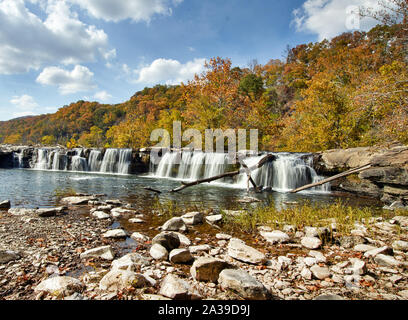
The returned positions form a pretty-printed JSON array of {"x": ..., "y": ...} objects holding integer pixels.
[
  {"x": 336, "y": 177},
  {"x": 245, "y": 169},
  {"x": 152, "y": 190}
]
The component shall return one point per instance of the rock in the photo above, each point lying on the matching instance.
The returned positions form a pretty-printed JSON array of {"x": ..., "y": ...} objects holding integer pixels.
[
  {"x": 105, "y": 252},
  {"x": 130, "y": 262},
  {"x": 306, "y": 274},
  {"x": 311, "y": 243},
  {"x": 7, "y": 255},
  {"x": 136, "y": 220},
  {"x": 320, "y": 273},
  {"x": 395, "y": 205},
  {"x": 222, "y": 236},
  {"x": 329, "y": 297},
  {"x": 158, "y": 252},
  {"x": 386, "y": 261},
  {"x": 180, "y": 256},
  {"x": 401, "y": 220},
  {"x": 201, "y": 248},
  {"x": 177, "y": 289},
  {"x": 208, "y": 269},
  {"x": 118, "y": 280},
  {"x": 115, "y": 234},
  {"x": 60, "y": 286},
  {"x": 193, "y": 218},
  {"x": 175, "y": 224},
  {"x": 5, "y": 205},
  {"x": 45, "y": 213},
  {"x": 214, "y": 218},
  {"x": 168, "y": 240},
  {"x": 234, "y": 213},
  {"x": 100, "y": 215},
  {"x": 242, "y": 283},
  {"x": 317, "y": 232},
  {"x": 400, "y": 246},
  {"x": 118, "y": 212},
  {"x": 310, "y": 261},
  {"x": 404, "y": 294},
  {"x": 375, "y": 252},
  {"x": 76, "y": 201},
  {"x": 76, "y": 297},
  {"x": 21, "y": 211},
  {"x": 320, "y": 258},
  {"x": 359, "y": 267},
  {"x": 114, "y": 202},
  {"x": 139, "y": 237},
  {"x": 275, "y": 236},
  {"x": 184, "y": 241},
  {"x": 238, "y": 250},
  {"x": 154, "y": 297},
  {"x": 363, "y": 248},
  {"x": 289, "y": 228},
  {"x": 349, "y": 242}
]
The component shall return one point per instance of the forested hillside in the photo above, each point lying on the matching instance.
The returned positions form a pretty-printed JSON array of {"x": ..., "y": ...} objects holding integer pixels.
[{"x": 350, "y": 91}]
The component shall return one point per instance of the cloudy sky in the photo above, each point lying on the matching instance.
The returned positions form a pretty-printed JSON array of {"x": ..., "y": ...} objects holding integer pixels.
[{"x": 54, "y": 52}]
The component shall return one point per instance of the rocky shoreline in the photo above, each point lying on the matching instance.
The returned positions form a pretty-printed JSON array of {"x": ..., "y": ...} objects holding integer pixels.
[{"x": 80, "y": 251}]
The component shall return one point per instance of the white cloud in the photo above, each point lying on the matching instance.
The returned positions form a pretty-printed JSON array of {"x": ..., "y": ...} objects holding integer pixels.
[
  {"x": 329, "y": 18},
  {"x": 136, "y": 10},
  {"x": 28, "y": 42},
  {"x": 77, "y": 80},
  {"x": 25, "y": 105},
  {"x": 167, "y": 71},
  {"x": 102, "y": 96}
]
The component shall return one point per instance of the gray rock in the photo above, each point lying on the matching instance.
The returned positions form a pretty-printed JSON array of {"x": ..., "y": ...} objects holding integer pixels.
[
  {"x": 193, "y": 218},
  {"x": 60, "y": 286},
  {"x": 46, "y": 213},
  {"x": 100, "y": 215},
  {"x": 21, "y": 211},
  {"x": 222, "y": 236},
  {"x": 329, "y": 297},
  {"x": 119, "y": 212},
  {"x": 169, "y": 240},
  {"x": 105, "y": 252},
  {"x": 363, "y": 248},
  {"x": 136, "y": 221},
  {"x": 359, "y": 267},
  {"x": 320, "y": 258},
  {"x": 242, "y": 283},
  {"x": 78, "y": 200},
  {"x": 7, "y": 255},
  {"x": 130, "y": 262},
  {"x": 115, "y": 234},
  {"x": 139, "y": 237},
  {"x": 201, "y": 248},
  {"x": 180, "y": 256},
  {"x": 320, "y": 273},
  {"x": 118, "y": 280},
  {"x": 158, "y": 252},
  {"x": 275, "y": 236},
  {"x": 76, "y": 297},
  {"x": 238, "y": 250},
  {"x": 402, "y": 221},
  {"x": 306, "y": 274},
  {"x": 5, "y": 205},
  {"x": 400, "y": 245},
  {"x": 175, "y": 224},
  {"x": 177, "y": 289},
  {"x": 214, "y": 218},
  {"x": 317, "y": 232},
  {"x": 349, "y": 242},
  {"x": 386, "y": 261},
  {"x": 404, "y": 294},
  {"x": 311, "y": 243},
  {"x": 208, "y": 269},
  {"x": 383, "y": 250}
]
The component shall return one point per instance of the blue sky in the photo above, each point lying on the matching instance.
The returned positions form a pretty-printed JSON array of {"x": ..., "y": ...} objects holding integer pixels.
[{"x": 54, "y": 52}]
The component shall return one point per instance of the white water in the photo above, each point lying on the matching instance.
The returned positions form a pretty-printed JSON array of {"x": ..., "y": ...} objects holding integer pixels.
[
  {"x": 94, "y": 161},
  {"x": 287, "y": 172},
  {"x": 42, "y": 160},
  {"x": 117, "y": 161}
]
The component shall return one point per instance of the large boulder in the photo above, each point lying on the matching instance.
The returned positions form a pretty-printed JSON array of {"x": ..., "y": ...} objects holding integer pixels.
[
  {"x": 105, "y": 253},
  {"x": 175, "y": 224},
  {"x": 169, "y": 240},
  {"x": 208, "y": 269},
  {"x": 60, "y": 286},
  {"x": 52, "y": 212},
  {"x": 238, "y": 250},
  {"x": 117, "y": 280},
  {"x": 5, "y": 205},
  {"x": 78, "y": 200},
  {"x": 158, "y": 252},
  {"x": 177, "y": 289},
  {"x": 193, "y": 218},
  {"x": 180, "y": 256},
  {"x": 243, "y": 284}
]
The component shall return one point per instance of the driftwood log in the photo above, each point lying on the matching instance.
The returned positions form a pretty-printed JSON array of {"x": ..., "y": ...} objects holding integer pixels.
[{"x": 336, "y": 177}]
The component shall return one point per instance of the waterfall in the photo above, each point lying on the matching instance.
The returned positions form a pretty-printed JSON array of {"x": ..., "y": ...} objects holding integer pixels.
[
  {"x": 18, "y": 161},
  {"x": 117, "y": 161},
  {"x": 42, "y": 160},
  {"x": 79, "y": 164},
  {"x": 287, "y": 172},
  {"x": 94, "y": 161}
]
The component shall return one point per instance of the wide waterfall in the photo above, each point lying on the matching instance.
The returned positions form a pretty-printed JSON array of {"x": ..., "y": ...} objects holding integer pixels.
[
  {"x": 287, "y": 172},
  {"x": 114, "y": 161}
]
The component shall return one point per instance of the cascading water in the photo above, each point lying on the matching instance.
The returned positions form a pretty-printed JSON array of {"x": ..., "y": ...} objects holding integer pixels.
[
  {"x": 287, "y": 172},
  {"x": 18, "y": 161},
  {"x": 117, "y": 161},
  {"x": 42, "y": 160},
  {"x": 94, "y": 161}
]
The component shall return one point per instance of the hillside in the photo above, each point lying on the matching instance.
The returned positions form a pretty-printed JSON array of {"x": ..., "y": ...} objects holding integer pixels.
[{"x": 350, "y": 91}]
